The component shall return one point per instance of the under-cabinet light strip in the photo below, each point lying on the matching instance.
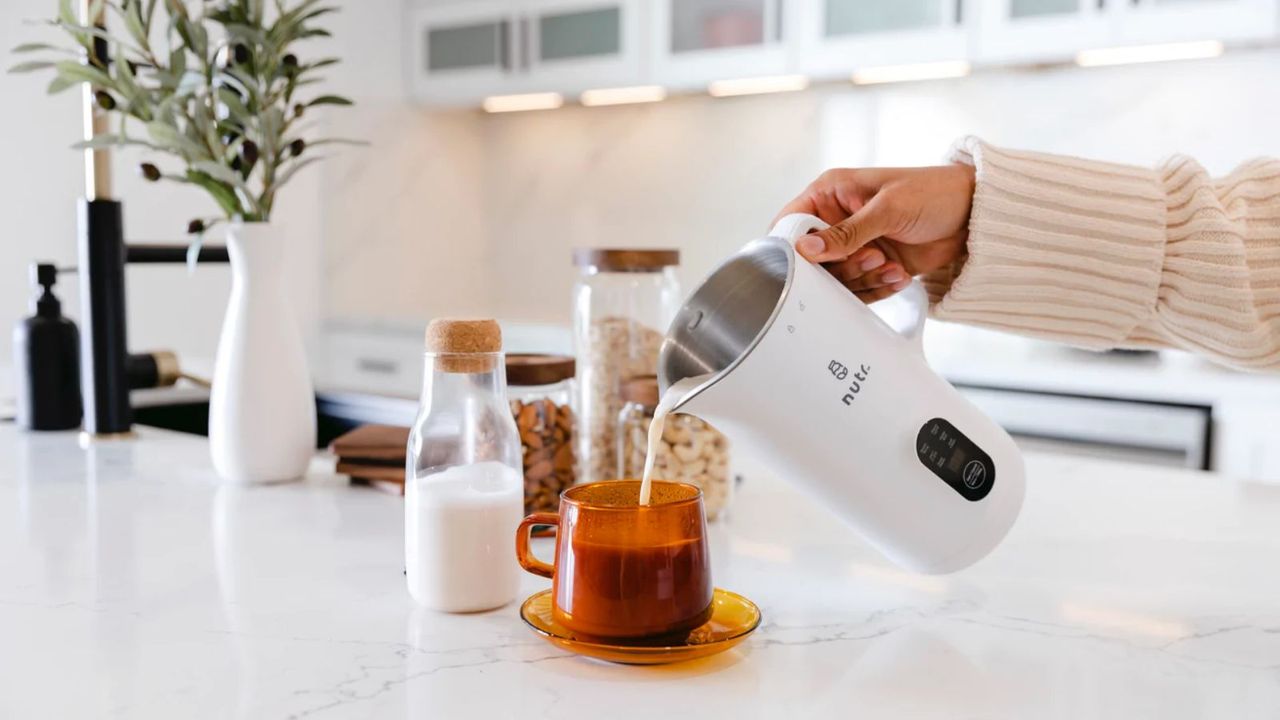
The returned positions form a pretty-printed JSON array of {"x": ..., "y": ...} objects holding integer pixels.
[
  {"x": 758, "y": 85},
  {"x": 1149, "y": 53},
  {"x": 521, "y": 103},
  {"x": 912, "y": 72},
  {"x": 623, "y": 95}
]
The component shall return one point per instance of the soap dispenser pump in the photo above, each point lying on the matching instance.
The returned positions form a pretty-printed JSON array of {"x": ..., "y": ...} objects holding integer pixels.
[{"x": 46, "y": 349}]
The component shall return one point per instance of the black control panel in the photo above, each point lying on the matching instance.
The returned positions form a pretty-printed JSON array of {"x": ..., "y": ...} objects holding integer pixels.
[{"x": 954, "y": 458}]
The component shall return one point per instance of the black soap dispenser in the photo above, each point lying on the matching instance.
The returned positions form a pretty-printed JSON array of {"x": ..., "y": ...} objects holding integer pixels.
[{"x": 46, "y": 349}]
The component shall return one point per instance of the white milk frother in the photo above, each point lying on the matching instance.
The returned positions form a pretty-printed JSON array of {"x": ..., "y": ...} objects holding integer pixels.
[{"x": 781, "y": 357}]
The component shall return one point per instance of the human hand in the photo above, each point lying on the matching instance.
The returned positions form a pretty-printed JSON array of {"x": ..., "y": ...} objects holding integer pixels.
[{"x": 887, "y": 224}]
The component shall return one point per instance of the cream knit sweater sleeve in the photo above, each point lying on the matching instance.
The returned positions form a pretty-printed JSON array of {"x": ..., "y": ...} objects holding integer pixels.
[{"x": 1103, "y": 255}]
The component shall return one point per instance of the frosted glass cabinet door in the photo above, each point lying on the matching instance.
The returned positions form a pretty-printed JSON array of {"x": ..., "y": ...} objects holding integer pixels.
[
  {"x": 840, "y": 36},
  {"x": 842, "y": 17},
  {"x": 460, "y": 53},
  {"x": 697, "y": 41},
  {"x": 572, "y": 45}
]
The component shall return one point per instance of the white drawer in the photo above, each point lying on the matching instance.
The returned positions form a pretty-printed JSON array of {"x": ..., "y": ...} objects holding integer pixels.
[{"x": 376, "y": 362}]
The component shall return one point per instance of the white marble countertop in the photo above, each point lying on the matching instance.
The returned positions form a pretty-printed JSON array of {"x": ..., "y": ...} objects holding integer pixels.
[{"x": 136, "y": 586}]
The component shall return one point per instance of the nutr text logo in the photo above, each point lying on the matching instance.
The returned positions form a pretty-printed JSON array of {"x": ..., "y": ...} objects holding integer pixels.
[{"x": 841, "y": 372}]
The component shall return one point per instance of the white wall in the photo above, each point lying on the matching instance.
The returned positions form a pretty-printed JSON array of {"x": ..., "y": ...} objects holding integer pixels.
[{"x": 38, "y": 187}]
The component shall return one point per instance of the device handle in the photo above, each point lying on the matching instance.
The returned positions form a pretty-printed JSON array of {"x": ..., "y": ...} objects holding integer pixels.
[
  {"x": 796, "y": 225},
  {"x": 523, "y": 554}
]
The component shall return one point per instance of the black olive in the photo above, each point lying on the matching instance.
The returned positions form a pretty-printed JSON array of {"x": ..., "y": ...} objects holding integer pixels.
[
  {"x": 241, "y": 54},
  {"x": 104, "y": 100},
  {"x": 298, "y": 109},
  {"x": 289, "y": 61},
  {"x": 195, "y": 227},
  {"x": 297, "y": 146},
  {"x": 149, "y": 171},
  {"x": 249, "y": 152}
]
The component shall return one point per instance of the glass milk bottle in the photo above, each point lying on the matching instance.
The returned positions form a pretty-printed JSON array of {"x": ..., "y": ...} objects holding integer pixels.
[{"x": 464, "y": 493}]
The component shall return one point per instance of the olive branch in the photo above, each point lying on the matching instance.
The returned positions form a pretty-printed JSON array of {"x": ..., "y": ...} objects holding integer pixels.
[{"x": 215, "y": 84}]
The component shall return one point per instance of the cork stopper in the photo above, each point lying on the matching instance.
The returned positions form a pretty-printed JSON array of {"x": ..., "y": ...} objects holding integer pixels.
[{"x": 464, "y": 346}]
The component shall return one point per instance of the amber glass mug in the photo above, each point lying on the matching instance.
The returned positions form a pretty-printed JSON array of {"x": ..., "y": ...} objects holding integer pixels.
[{"x": 623, "y": 570}]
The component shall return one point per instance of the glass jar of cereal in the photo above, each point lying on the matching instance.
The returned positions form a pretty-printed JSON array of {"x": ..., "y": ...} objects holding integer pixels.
[{"x": 624, "y": 301}]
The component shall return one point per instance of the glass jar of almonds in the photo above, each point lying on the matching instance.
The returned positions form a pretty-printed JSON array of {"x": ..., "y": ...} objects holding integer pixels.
[
  {"x": 691, "y": 450},
  {"x": 624, "y": 301},
  {"x": 540, "y": 390}
]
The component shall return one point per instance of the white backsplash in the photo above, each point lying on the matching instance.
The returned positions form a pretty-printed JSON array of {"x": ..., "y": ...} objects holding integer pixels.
[{"x": 465, "y": 213}]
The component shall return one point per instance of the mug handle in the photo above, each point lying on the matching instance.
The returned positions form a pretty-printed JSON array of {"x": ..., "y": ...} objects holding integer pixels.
[
  {"x": 523, "y": 554},
  {"x": 796, "y": 225}
]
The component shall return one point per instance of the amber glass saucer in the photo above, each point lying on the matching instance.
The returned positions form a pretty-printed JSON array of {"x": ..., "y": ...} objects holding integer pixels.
[{"x": 733, "y": 618}]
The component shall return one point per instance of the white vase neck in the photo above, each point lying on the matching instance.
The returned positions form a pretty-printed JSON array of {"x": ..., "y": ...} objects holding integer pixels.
[{"x": 257, "y": 254}]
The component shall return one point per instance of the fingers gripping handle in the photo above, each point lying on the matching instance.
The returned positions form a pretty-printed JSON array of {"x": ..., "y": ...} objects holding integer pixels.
[{"x": 796, "y": 225}]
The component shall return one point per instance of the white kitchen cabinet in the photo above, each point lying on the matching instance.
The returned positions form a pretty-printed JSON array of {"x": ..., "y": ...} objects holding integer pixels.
[
  {"x": 459, "y": 53},
  {"x": 836, "y": 37},
  {"x": 695, "y": 42},
  {"x": 1010, "y": 31},
  {"x": 1140, "y": 22},
  {"x": 1055, "y": 30},
  {"x": 573, "y": 45}
]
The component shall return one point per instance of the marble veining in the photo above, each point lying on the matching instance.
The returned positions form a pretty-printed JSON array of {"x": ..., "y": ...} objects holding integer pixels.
[{"x": 136, "y": 585}]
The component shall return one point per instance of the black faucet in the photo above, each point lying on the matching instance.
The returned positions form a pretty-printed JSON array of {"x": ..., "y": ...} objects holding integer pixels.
[
  {"x": 103, "y": 253},
  {"x": 104, "y": 353}
]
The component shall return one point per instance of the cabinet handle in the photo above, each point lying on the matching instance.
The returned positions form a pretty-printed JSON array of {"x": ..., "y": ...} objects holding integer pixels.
[
  {"x": 504, "y": 44},
  {"x": 378, "y": 366}
]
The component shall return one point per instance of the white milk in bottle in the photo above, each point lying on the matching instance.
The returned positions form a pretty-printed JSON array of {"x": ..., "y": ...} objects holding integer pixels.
[{"x": 458, "y": 528}]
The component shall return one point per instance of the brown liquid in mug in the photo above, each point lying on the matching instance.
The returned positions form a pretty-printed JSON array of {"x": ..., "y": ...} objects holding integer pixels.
[{"x": 634, "y": 572}]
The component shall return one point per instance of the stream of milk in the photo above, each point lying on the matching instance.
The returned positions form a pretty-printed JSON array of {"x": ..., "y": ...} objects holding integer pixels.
[{"x": 671, "y": 398}]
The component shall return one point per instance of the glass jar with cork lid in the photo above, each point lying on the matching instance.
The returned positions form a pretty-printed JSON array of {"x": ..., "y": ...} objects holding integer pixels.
[
  {"x": 624, "y": 300},
  {"x": 540, "y": 389},
  {"x": 690, "y": 451},
  {"x": 463, "y": 482}
]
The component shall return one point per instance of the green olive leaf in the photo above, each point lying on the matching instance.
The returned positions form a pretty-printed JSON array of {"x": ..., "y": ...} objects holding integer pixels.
[
  {"x": 219, "y": 172},
  {"x": 330, "y": 100},
  {"x": 73, "y": 70},
  {"x": 60, "y": 83},
  {"x": 133, "y": 21},
  {"x": 293, "y": 168},
  {"x": 33, "y": 47},
  {"x": 31, "y": 66},
  {"x": 170, "y": 138}
]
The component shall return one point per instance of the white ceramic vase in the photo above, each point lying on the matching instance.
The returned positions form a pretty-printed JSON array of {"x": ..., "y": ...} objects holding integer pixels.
[{"x": 262, "y": 411}]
